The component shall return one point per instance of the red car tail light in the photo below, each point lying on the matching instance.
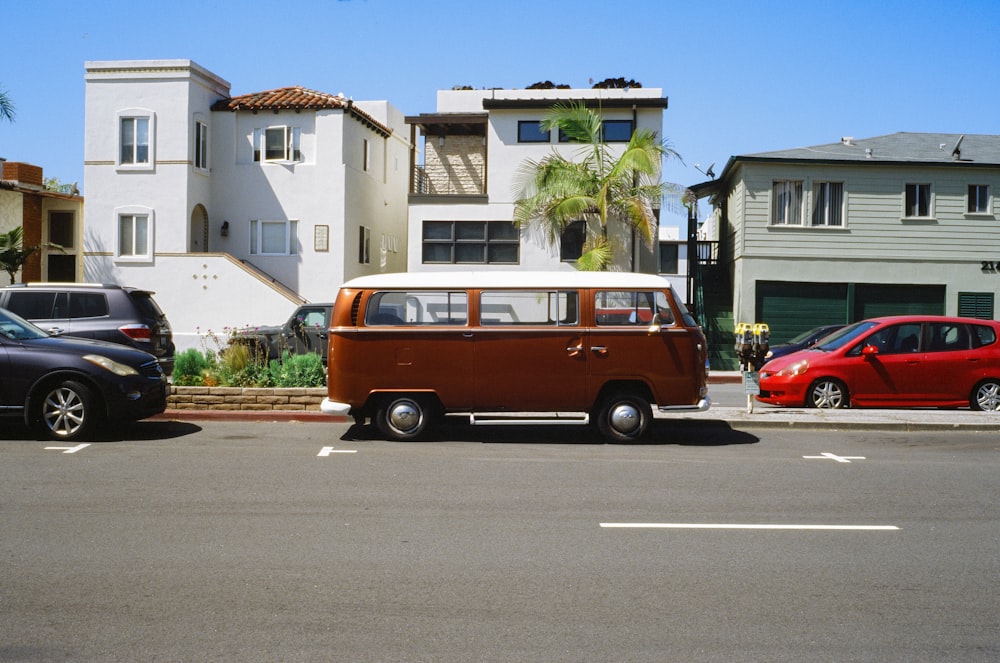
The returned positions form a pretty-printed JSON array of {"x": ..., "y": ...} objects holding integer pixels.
[{"x": 137, "y": 332}]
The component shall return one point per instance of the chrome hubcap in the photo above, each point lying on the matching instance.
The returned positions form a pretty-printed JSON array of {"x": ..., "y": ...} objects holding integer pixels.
[
  {"x": 625, "y": 418},
  {"x": 404, "y": 416}
]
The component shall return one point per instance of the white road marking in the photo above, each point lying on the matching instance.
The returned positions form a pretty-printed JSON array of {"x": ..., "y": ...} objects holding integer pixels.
[
  {"x": 69, "y": 450},
  {"x": 860, "y": 528},
  {"x": 326, "y": 451},
  {"x": 840, "y": 459}
]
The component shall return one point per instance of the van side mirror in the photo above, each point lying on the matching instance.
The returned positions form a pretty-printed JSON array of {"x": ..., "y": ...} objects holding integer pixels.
[{"x": 654, "y": 325}]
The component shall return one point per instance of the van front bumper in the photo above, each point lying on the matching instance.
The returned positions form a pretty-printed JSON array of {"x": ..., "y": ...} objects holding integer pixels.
[{"x": 334, "y": 408}]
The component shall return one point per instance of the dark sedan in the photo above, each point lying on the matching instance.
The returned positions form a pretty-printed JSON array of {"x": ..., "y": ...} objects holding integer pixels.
[
  {"x": 67, "y": 386},
  {"x": 801, "y": 342}
]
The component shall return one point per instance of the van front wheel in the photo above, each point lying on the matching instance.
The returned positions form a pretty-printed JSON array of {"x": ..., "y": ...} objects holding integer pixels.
[
  {"x": 624, "y": 417},
  {"x": 402, "y": 418}
]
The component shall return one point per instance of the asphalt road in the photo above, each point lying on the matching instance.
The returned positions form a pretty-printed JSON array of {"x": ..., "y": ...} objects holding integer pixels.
[{"x": 211, "y": 541}]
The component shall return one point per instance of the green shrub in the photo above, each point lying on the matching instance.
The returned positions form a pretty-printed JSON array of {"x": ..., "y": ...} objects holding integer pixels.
[
  {"x": 191, "y": 367},
  {"x": 305, "y": 370}
]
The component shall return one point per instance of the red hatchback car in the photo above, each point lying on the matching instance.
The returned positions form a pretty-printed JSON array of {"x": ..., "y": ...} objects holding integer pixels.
[{"x": 898, "y": 361}]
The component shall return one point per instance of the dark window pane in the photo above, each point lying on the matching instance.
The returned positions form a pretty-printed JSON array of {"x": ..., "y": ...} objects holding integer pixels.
[
  {"x": 475, "y": 230},
  {"x": 617, "y": 131},
  {"x": 571, "y": 242},
  {"x": 530, "y": 131},
  {"x": 473, "y": 253},
  {"x": 502, "y": 230},
  {"x": 437, "y": 253},
  {"x": 668, "y": 258},
  {"x": 503, "y": 253},
  {"x": 437, "y": 229}
]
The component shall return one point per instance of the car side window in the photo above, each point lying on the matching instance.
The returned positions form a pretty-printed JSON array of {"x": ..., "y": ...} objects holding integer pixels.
[
  {"x": 983, "y": 335},
  {"x": 948, "y": 336},
  {"x": 87, "y": 305},
  {"x": 896, "y": 339},
  {"x": 33, "y": 305}
]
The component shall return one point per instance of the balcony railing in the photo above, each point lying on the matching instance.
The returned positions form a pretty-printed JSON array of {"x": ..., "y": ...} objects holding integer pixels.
[{"x": 708, "y": 252}]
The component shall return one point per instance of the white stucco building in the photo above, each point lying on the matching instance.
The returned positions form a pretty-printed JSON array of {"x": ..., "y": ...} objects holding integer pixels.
[
  {"x": 464, "y": 183},
  {"x": 235, "y": 209}
]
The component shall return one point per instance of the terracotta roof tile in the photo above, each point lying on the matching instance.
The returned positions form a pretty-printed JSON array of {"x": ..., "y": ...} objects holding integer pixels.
[{"x": 296, "y": 98}]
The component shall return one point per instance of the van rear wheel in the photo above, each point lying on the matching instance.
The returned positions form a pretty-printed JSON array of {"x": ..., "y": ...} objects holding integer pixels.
[
  {"x": 624, "y": 417},
  {"x": 402, "y": 418}
]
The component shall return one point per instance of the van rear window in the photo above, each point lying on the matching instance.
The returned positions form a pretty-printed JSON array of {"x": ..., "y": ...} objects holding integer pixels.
[
  {"x": 529, "y": 307},
  {"x": 408, "y": 307}
]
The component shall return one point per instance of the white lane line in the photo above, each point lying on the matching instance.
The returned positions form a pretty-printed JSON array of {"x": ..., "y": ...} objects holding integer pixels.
[
  {"x": 69, "y": 450},
  {"x": 860, "y": 528},
  {"x": 326, "y": 451},
  {"x": 826, "y": 455}
]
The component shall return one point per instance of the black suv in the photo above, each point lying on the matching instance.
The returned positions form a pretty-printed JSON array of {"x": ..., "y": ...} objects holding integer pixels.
[{"x": 128, "y": 316}]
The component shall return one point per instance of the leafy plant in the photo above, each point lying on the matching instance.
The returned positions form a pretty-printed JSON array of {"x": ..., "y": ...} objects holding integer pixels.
[
  {"x": 304, "y": 370},
  {"x": 191, "y": 366}
]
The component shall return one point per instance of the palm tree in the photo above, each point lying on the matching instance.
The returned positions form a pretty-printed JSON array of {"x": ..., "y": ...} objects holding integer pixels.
[
  {"x": 6, "y": 107},
  {"x": 12, "y": 254},
  {"x": 597, "y": 186}
]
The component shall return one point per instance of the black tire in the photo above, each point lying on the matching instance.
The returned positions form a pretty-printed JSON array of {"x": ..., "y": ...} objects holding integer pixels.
[
  {"x": 986, "y": 396},
  {"x": 827, "y": 393},
  {"x": 403, "y": 418},
  {"x": 68, "y": 411},
  {"x": 624, "y": 417}
]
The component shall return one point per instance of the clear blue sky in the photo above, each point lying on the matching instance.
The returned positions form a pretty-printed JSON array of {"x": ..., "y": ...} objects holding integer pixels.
[{"x": 742, "y": 77}]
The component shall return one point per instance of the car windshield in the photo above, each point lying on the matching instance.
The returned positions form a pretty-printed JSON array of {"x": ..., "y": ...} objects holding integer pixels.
[
  {"x": 804, "y": 336},
  {"x": 17, "y": 328},
  {"x": 845, "y": 336}
]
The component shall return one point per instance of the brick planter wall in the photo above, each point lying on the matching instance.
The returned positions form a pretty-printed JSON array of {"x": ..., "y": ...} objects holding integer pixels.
[{"x": 245, "y": 398}]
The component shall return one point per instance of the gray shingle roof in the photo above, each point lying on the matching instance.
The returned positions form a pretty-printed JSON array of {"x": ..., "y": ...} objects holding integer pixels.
[{"x": 899, "y": 147}]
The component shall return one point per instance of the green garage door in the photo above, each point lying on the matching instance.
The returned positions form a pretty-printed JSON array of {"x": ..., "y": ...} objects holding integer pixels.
[
  {"x": 872, "y": 301},
  {"x": 790, "y": 309}
]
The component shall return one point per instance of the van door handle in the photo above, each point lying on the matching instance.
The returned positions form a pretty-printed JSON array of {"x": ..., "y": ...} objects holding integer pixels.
[
  {"x": 574, "y": 350},
  {"x": 599, "y": 349}
]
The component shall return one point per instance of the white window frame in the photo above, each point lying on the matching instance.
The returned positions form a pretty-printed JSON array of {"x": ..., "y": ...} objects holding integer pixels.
[
  {"x": 785, "y": 209},
  {"x": 984, "y": 190},
  {"x": 201, "y": 143},
  {"x": 135, "y": 215},
  {"x": 133, "y": 116},
  {"x": 917, "y": 188},
  {"x": 821, "y": 195},
  {"x": 290, "y": 138},
  {"x": 258, "y": 234}
]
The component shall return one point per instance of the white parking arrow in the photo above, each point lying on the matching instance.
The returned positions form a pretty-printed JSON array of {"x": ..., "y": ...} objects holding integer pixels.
[
  {"x": 326, "y": 451},
  {"x": 69, "y": 450}
]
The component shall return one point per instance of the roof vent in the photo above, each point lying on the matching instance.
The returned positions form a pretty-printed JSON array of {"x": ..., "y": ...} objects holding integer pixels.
[
  {"x": 848, "y": 140},
  {"x": 868, "y": 153}
]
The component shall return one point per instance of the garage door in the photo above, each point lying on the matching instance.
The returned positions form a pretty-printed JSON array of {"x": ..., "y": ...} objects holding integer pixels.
[
  {"x": 871, "y": 301},
  {"x": 790, "y": 309}
]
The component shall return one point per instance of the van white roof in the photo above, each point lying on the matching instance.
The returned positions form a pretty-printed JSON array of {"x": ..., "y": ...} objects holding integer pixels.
[{"x": 508, "y": 279}]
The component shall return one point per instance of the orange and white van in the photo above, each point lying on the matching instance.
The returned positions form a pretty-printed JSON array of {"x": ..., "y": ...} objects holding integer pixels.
[{"x": 513, "y": 347}]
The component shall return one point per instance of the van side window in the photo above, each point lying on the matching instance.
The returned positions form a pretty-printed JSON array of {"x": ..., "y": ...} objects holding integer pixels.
[
  {"x": 624, "y": 308},
  {"x": 405, "y": 307},
  {"x": 529, "y": 307}
]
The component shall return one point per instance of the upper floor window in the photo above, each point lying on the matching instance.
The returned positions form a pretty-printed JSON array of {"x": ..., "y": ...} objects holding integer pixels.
[
  {"x": 530, "y": 131},
  {"x": 134, "y": 141},
  {"x": 471, "y": 242},
  {"x": 365, "y": 246},
  {"x": 668, "y": 258},
  {"x": 828, "y": 204},
  {"x": 918, "y": 201},
  {"x": 786, "y": 203},
  {"x": 200, "y": 145},
  {"x": 366, "y": 155},
  {"x": 275, "y": 238},
  {"x": 612, "y": 131},
  {"x": 572, "y": 240},
  {"x": 282, "y": 143},
  {"x": 616, "y": 131},
  {"x": 979, "y": 199}
]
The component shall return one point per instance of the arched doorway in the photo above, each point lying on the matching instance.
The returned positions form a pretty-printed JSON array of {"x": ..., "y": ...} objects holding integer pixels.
[{"x": 198, "y": 235}]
